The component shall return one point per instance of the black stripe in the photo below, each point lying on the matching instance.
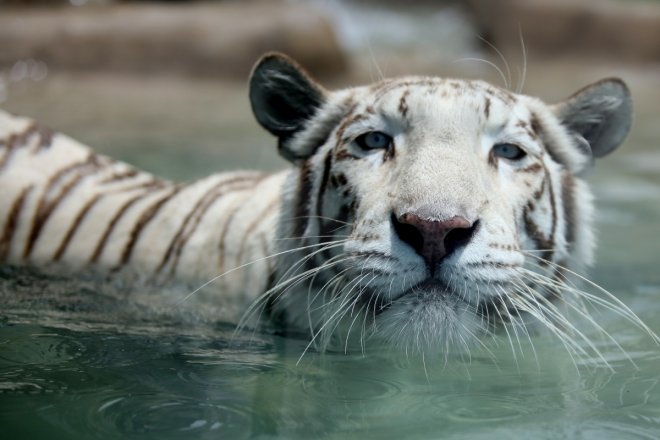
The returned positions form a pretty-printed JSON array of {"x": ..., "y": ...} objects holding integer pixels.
[
  {"x": 74, "y": 226},
  {"x": 46, "y": 205},
  {"x": 322, "y": 129},
  {"x": 301, "y": 208},
  {"x": 247, "y": 235},
  {"x": 45, "y": 139},
  {"x": 113, "y": 222},
  {"x": 403, "y": 105},
  {"x": 553, "y": 207},
  {"x": 263, "y": 241},
  {"x": 202, "y": 204},
  {"x": 154, "y": 183},
  {"x": 12, "y": 221},
  {"x": 146, "y": 217},
  {"x": 223, "y": 234},
  {"x": 195, "y": 216},
  {"x": 16, "y": 141},
  {"x": 326, "y": 227},
  {"x": 532, "y": 229},
  {"x": 327, "y": 164},
  {"x": 350, "y": 119},
  {"x": 343, "y": 154},
  {"x": 568, "y": 202},
  {"x": 548, "y": 141},
  {"x": 393, "y": 85},
  {"x": 533, "y": 168},
  {"x": 116, "y": 177}
]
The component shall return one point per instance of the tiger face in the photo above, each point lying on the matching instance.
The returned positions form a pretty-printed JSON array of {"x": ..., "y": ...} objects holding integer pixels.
[{"x": 426, "y": 211}]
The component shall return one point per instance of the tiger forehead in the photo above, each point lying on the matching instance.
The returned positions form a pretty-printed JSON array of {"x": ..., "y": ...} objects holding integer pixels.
[
  {"x": 394, "y": 99},
  {"x": 439, "y": 87}
]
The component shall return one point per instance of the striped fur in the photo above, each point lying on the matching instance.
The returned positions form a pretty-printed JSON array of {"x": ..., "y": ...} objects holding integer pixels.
[
  {"x": 329, "y": 258},
  {"x": 64, "y": 205}
]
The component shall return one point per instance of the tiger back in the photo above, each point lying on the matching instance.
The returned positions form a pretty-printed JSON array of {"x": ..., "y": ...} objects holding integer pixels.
[{"x": 65, "y": 207}]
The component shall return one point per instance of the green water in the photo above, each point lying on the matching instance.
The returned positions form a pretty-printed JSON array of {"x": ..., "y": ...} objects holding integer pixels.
[
  {"x": 96, "y": 384},
  {"x": 80, "y": 360},
  {"x": 152, "y": 382}
]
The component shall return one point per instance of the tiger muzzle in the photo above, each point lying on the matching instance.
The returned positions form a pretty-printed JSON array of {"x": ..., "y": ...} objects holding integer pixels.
[{"x": 433, "y": 240}]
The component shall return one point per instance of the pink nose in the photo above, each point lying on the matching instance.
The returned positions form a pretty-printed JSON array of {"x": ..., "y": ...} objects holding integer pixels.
[{"x": 433, "y": 240}]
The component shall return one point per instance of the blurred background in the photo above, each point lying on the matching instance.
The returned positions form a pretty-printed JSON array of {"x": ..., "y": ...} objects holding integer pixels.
[{"x": 162, "y": 84}]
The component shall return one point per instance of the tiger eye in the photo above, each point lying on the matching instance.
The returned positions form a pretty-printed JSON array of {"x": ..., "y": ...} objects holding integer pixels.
[
  {"x": 508, "y": 151},
  {"x": 374, "y": 140}
]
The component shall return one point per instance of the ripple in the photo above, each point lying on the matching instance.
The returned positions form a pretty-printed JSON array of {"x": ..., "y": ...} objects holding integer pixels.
[
  {"x": 61, "y": 381},
  {"x": 48, "y": 348},
  {"x": 213, "y": 367},
  {"x": 481, "y": 408},
  {"x": 168, "y": 417},
  {"x": 348, "y": 389},
  {"x": 218, "y": 380},
  {"x": 205, "y": 379},
  {"x": 118, "y": 351},
  {"x": 112, "y": 414},
  {"x": 619, "y": 430}
]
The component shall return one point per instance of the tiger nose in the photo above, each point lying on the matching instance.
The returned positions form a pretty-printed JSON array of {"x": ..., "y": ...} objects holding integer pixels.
[{"x": 433, "y": 240}]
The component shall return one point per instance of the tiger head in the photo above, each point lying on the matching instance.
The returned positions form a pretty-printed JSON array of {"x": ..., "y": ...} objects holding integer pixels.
[{"x": 426, "y": 211}]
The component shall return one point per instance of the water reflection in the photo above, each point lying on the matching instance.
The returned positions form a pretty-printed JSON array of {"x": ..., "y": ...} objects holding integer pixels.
[{"x": 108, "y": 384}]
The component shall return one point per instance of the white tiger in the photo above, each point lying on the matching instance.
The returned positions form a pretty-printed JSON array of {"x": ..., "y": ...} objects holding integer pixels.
[{"x": 418, "y": 211}]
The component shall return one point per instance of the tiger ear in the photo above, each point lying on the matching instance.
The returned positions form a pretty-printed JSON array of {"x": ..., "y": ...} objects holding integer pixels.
[
  {"x": 283, "y": 98},
  {"x": 599, "y": 115}
]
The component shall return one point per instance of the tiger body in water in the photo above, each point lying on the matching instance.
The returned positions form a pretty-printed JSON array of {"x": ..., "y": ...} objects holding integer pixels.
[
  {"x": 66, "y": 207},
  {"x": 422, "y": 212}
]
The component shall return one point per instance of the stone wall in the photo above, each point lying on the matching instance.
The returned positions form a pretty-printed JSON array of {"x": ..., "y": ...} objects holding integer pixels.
[
  {"x": 209, "y": 39},
  {"x": 626, "y": 30}
]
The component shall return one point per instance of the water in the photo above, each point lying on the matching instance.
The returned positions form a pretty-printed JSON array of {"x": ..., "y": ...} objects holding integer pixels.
[
  {"x": 82, "y": 360},
  {"x": 57, "y": 383}
]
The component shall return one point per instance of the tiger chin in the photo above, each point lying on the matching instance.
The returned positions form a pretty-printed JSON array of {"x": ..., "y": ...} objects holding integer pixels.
[{"x": 419, "y": 212}]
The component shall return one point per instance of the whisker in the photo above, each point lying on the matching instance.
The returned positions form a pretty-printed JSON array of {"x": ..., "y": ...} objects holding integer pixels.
[
  {"x": 574, "y": 329},
  {"x": 617, "y": 305},
  {"x": 508, "y": 83},
  {"x": 523, "y": 76},
  {"x": 288, "y": 283},
  {"x": 545, "y": 309},
  {"x": 301, "y": 261},
  {"x": 572, "y": 348},
  {"x": 592, "y": 321},
  {"x": 242, "y": 266},
  {"x": 320, "y": 217},
  {"x": 312, "y": 236},
  {"x": 506, "y": 330},
  {"x": 315, "y": 335},
  {"x": 529, "y": 338},
  {"x": 490, "y": 63}
]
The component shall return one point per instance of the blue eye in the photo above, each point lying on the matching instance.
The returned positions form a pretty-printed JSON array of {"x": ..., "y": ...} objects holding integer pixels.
[
  {"x": 508, "y": 151},
  {"x": 374, "y": 140}
]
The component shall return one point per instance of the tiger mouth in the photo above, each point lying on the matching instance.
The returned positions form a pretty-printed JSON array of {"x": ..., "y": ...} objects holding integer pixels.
[
  {"x": 434, "y": 290},
  {"x": 425, "y": 289}
]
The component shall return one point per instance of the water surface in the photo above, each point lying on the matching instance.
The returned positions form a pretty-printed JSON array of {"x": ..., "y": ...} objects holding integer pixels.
[{"x": 79, "y": 360}]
